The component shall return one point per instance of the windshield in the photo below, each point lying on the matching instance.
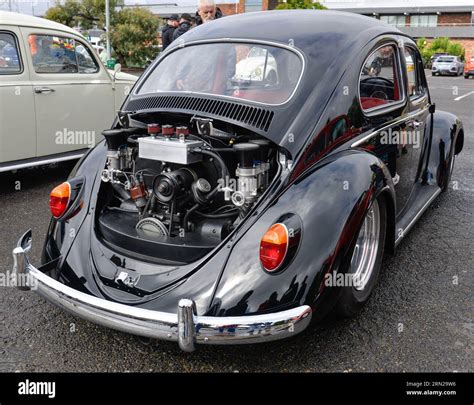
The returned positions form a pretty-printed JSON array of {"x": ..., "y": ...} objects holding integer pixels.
[
  {"x": 444, "y": 59},
  {"x": 259, "y": 73}
]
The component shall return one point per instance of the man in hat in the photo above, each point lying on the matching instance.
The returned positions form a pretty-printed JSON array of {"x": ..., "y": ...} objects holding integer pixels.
[
  {"x": 184, "y": 26},
  {"x": 168, "y": 30}
]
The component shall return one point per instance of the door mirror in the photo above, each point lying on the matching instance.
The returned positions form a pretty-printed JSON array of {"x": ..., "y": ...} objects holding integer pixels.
[
  {"x": 117, "y": 69},
  {"x": 432, "y": 108}
]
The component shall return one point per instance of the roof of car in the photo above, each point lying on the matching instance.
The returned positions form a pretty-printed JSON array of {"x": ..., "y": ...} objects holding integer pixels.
[
  {"x": 334, "y": 45},
  {"x": 9, "y": 18},
  {"x": 301, "y": 27}
]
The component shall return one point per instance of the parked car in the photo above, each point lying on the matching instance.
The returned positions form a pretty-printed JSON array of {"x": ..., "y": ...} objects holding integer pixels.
[
  {"x": 258, "y": 66},
  {"x": 469, "y": 68},
  {"x": 434, "y": 57},
  {"x": 56, "y": 94},
  {"x": 447, "y": 65},
  {"x": 212, "y": 214}
]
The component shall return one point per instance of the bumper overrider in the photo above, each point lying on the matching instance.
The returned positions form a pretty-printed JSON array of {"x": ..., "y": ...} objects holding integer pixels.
[{"x": 184, "y": 326}]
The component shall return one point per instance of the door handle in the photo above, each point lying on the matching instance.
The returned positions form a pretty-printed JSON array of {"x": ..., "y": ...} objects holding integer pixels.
[{"x": 43, "y": 90}]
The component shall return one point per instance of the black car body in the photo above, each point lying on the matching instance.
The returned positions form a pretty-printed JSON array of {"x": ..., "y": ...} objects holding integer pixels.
[{"x": 344, "y": 178}]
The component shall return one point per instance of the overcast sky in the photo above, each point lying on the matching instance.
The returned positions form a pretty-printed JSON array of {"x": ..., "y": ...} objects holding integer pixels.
[{"x": 38, "y": 7}]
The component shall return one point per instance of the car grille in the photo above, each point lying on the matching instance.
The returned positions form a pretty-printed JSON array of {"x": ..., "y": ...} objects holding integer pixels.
[{"x": 256, "y": 117}]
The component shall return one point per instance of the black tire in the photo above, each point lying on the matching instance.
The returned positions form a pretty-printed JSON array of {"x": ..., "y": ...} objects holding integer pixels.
[
  {"x": 351, "y": 300},
  {"x": 466, "y": 76}
]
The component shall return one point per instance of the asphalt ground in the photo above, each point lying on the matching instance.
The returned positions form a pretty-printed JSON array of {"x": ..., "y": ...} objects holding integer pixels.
[{"x": 420, "y": 318}]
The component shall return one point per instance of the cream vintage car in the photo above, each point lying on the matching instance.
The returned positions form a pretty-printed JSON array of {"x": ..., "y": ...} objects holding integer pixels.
[{"x": 56, "y": 96}]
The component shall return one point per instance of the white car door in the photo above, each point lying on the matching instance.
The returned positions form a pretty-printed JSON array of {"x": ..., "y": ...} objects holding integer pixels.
[
  {"x": 73, "y": 92},
  {"x": 17, "y": 111}
]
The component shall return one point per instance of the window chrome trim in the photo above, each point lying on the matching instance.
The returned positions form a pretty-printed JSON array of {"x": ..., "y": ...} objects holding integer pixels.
[
  {"x": 392, "y": 106},
  {"x": 170, "y": 50}
]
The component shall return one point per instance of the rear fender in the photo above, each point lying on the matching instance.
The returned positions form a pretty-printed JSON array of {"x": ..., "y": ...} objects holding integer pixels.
[
  {"x": 447, "y": 139},
  {"x": 331, "y": 200},
  {"x": 62, "y": 233}
]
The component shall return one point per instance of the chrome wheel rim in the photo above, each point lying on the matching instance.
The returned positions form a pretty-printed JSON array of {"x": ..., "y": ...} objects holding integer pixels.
[{"x": 366, "y": 248}]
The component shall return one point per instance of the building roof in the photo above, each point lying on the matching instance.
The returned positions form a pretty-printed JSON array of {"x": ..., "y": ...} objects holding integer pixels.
[
  {"x": 9, "y": 18},
  {"x": 167, "y": 10},
  {"x": 399, "y": 6}
]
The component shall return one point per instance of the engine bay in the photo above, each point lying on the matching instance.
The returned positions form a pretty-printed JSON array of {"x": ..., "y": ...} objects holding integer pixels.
[{"x": 174, "y": 187}]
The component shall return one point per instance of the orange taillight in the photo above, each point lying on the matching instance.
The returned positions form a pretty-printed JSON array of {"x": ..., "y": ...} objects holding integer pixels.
[
  {"x": 59, "y": 199},
  {"x": 274, "y": 246}
]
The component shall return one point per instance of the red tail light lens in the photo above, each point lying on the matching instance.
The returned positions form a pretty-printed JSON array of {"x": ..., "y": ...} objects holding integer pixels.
[
  {"x": 59, "y": 199},
  {"x": 273, "y": 247}
]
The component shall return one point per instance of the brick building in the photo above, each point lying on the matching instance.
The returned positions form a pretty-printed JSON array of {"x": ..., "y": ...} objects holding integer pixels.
[
  {"x": 228, "y": 7},
  {"x": 419, "y": 18}
]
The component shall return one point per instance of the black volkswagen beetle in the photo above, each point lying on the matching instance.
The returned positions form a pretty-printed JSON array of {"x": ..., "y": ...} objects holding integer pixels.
[{"x": 251, "y": 182}]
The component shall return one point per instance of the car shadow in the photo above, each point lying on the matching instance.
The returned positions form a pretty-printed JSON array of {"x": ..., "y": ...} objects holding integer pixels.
[{"x": 34, "y": 177}]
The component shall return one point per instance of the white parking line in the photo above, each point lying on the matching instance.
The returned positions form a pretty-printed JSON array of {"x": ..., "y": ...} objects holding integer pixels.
[{"x": 465, "y": 95}]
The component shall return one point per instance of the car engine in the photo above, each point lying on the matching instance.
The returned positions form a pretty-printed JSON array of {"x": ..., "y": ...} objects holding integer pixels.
[{"x": 181, "y": 185}]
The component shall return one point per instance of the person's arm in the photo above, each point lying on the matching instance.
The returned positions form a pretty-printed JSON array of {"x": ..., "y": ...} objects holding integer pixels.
[{"x": 176, "y": 34}]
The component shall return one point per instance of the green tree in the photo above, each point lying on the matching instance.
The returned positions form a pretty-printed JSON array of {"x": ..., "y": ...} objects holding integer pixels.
[
  {"x": 439, "y": 45},
  {"x": 85, "y": 13},
  {"x": 133, "y": 31},
  {"x": 295, "y": 4},
  {"x": 455, "y": 48},
  {"x": 67, "y": 13},
  {"x": 421, "y": 43},
  {"x": 134, "y": 36}
]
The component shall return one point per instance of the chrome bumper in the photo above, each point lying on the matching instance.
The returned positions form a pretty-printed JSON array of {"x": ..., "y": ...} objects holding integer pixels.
[{"x": 184, "y": 326}]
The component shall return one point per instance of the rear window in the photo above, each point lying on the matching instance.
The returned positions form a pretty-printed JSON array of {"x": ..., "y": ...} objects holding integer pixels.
[
  {"x": 9, "y": 55},
  {"x": 444, "y": 59},
  {"x": 253, "y": 72}
]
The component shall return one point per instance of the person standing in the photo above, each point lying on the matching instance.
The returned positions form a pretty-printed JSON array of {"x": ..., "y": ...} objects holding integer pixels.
[
  {"x": 207, "y": 11},
  {"x": 168, "y": 31},
  {"x": 184, "y": 26}
]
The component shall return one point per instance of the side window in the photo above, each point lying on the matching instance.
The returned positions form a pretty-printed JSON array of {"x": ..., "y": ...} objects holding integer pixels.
[
  {"x": 53, "y": 54},
  {"x": 379, "y": 79},
  {"x": 9, "y": 56},
  {"x": 414, "y": 83}
]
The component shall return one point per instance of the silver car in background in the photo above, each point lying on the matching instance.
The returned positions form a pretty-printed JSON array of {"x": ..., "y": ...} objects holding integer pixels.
[{"x": 447, "y": 65}]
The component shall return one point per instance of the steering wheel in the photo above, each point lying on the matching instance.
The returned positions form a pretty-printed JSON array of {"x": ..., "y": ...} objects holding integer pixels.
[
  {"x": 379, "y": 94},
  {"x": 384, "y": 79},
  {"x": 381, "y": 82}
]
